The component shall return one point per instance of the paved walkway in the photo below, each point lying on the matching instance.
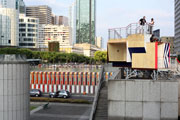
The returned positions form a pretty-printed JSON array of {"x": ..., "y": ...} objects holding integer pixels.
[{"x": 59, "y": 111}]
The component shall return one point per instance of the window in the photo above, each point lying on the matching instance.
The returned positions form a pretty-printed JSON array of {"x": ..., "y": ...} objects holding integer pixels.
[
  {"x": 22, "y": 25},
  {"x": 22, "y": 30}
]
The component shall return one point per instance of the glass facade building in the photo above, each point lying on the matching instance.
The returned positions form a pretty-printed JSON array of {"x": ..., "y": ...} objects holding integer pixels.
[
  {"x": 9, "y": 17},
  {"x": 177, "y": 27},
  {"x": 85, "y": 21}
]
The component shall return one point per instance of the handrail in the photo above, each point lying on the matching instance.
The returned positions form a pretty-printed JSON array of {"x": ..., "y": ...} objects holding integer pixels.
[
  {"x": 97, "y": 93},
  {"x": 124, "y": 32}
]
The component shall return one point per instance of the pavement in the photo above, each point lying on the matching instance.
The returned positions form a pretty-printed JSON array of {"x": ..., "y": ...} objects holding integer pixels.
[
  {"x": 63, "y": 111},
  {"x": 90, "y": 98}
]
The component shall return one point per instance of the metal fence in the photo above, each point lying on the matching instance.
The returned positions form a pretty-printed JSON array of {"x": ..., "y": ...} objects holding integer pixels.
[{"x": 124, "y": 32}]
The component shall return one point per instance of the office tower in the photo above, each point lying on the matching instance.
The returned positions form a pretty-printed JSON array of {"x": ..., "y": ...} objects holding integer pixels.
[
  {"x": 42, "y": 12},
  {"x": 53, "y": 33},
  {"x": 72, "y": 23},
  {"x": 22, "y": 7},
  {"x": 177, "y": 27},
  {"x": 59, "y": 20},
  {"x": 28, "y": 31},
  {"x": 9, "y": 17},
  {"x": 85, "y": 21},
  {"x": 99, "y": 41}
]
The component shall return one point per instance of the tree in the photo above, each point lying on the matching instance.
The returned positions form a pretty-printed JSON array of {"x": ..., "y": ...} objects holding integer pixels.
[{"x": 100, "y": 56}]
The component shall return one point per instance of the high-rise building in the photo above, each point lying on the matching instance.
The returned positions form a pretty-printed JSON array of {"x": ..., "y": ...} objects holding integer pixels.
[
  {"x": 53, "y": 33},
  {"x": 59, "y": 20},
  {"x": 14, "y": 4},
  {"x": 28, "y": 31},
  {"x": 99, "y": 41},
  {"x": 177, "y": 27},
  {"x": 9, "y": 17},
  {"x": 22, "y": 7},
  {"x": 42, "y": 12},
  {"x": 72, "y": 22},
  {"x": 85, "y": 21}
]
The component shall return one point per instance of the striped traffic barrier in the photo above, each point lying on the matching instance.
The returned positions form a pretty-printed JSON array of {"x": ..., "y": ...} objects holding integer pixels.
[
  {"x": 97, "y": 78},
  {"x": 80, "y": 81},
  {"x": 73, "y": 89},
  {"x": 46, "y": 88},
  {"x": 40, "y": 77},
  {"x": 32, "y": 77},
  {"x": 62, "y": 80},
  {"x": 106, "y": 76},
  {"x": 92, "y": 89},
  {"x": 93, "y": 78},
  {"x": 66, "y": 79},
  {"x": 75, "y": 81},
  {"x": 84, "y": 82},
  {"x": 53, "y": 78},
  {"x": 87, "y": 89},
  {"x": 57, "y": 78},
  {"x": 42, "y": 87},
  {"x": 89, "y": 78},
  {"x": 44, "y": 78},
  {"x": 49, "y": 77}
]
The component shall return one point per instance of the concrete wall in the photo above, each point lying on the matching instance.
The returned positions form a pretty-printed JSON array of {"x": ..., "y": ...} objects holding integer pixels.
[
  {"x": 14, "y": 88},
  {"x": 142, "y": 99}
]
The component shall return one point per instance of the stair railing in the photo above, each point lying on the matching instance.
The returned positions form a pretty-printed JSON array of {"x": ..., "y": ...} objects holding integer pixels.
[{"x": 97, "y": 93}]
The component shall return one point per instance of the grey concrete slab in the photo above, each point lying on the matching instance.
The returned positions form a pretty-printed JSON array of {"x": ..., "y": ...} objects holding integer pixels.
[
  {"x": 134, "y": 109},
  {"x": 116, "y": 109},
  {"x": 151, "y": 91},
  {"x": 134, "y": 91},
  {"x": 116, "y": 90},
  {"x": 151, "y": 111},
  {"x": 169, "y": 91}
]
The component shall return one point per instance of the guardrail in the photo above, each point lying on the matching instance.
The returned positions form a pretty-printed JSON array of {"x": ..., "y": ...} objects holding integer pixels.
[
  {"x": 97, "y": 93},
  {"x": 124, "y": 32}
]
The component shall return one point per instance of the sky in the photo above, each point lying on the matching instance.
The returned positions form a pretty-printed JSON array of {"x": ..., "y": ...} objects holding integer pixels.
[{"x": 120, "y": 13}]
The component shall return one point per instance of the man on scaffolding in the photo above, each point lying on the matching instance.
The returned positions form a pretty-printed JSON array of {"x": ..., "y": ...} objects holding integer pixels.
[{"x": 142, "y": 23}]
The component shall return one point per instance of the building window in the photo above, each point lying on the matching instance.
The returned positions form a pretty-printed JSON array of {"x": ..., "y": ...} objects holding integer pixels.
[
  {"x": 9, "y": 41},
  {"x": 22, "y": 25}
]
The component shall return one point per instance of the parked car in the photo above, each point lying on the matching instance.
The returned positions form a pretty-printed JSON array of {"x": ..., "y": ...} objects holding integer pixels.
[
  {"x": 35, "y": 93},
  {"x": 60, "y": 94}
]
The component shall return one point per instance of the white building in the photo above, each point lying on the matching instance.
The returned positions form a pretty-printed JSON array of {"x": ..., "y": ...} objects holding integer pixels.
[
  {"x": 28, "y": 31},
  {"x": 49, "y": 33},
  {"x": 72, "y": 22},
  {"x": 99, "y": 41},
  {"x": 9, "y": 17},
  {"x": 177, "y": 27}
]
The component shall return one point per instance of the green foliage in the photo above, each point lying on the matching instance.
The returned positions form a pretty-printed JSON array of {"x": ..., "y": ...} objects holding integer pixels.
[
  {"x": 100, "y": 56},
  {"x": 51, "y": 57},
  {"x": 59, "y": 100}
]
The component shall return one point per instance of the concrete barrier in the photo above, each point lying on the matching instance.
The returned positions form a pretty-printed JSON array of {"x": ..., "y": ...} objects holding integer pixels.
[{"x": 143, "y": 99}]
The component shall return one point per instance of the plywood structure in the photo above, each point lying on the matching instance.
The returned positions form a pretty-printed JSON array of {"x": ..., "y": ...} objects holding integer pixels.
[
  {"x": 117, "y": 52},
  {"x": 139, "y": 52}
]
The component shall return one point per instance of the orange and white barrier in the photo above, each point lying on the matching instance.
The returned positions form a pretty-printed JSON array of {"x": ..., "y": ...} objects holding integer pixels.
[{"x": 74, "y": 82}]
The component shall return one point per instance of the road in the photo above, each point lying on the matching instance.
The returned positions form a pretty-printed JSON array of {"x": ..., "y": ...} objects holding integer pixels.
[
  {"x": 90, "y": 98},
  {"x": 63, "y": 111}
]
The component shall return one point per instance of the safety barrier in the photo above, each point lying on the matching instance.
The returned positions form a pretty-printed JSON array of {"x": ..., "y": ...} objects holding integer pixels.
[{"x": 75, "y": 82}]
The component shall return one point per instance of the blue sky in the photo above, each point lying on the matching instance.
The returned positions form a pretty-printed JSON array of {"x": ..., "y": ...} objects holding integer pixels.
[{"x": 119, "y": 13}]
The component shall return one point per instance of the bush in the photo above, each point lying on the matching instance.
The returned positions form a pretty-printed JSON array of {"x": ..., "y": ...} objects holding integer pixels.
[
  {"x": 51, "y": 57},
  {"x": 59, "y": 100}
]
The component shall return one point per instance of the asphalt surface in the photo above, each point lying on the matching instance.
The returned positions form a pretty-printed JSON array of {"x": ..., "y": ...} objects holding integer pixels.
[
  {"x": 63, "y": 111},
  {"x": 90, "y": 98}
]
